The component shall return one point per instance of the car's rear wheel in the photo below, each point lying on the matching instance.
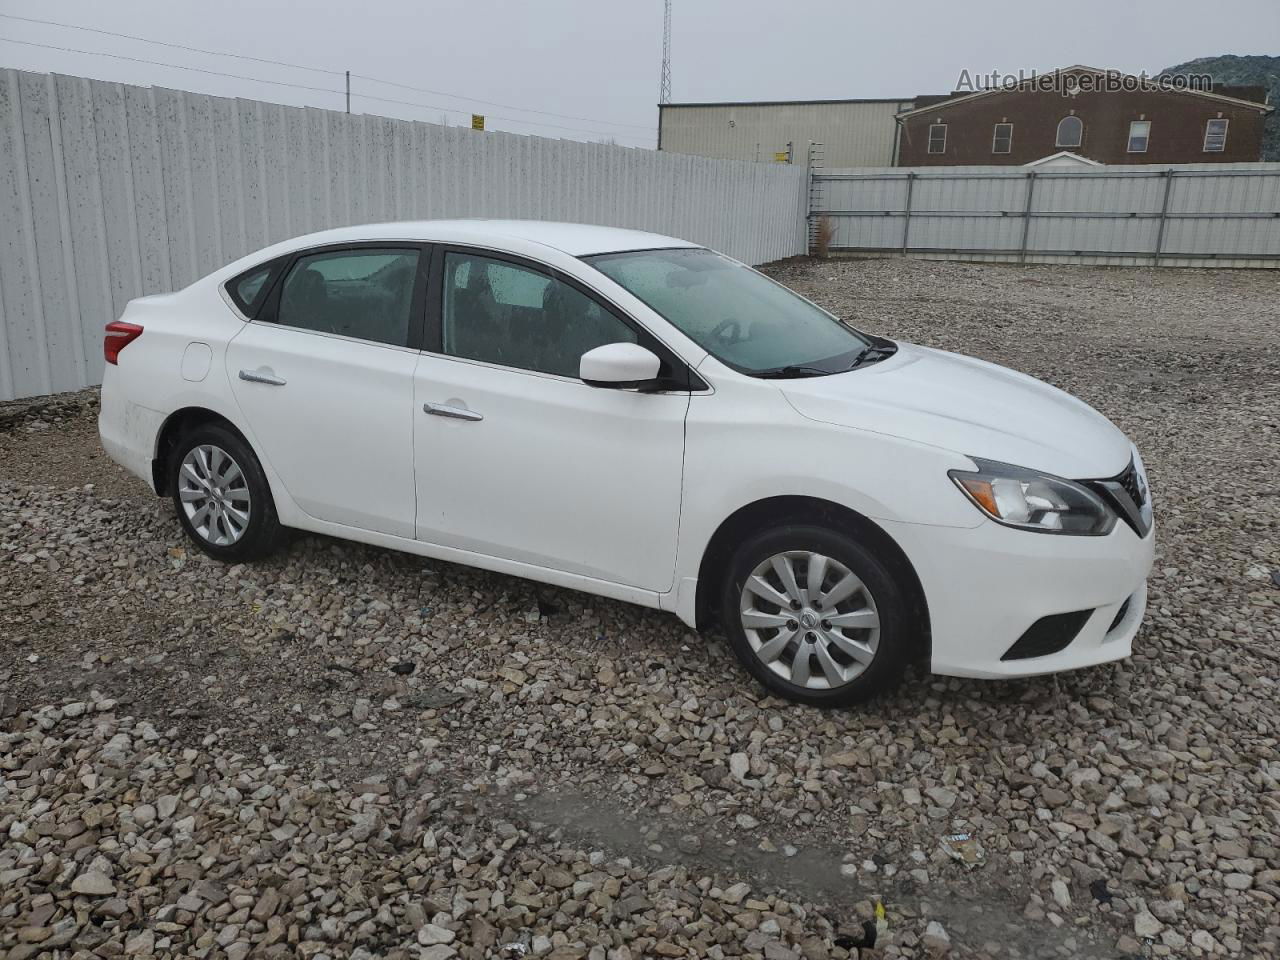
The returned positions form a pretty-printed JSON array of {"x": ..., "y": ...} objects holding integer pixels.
[
  {"x": 815, "y": 616},
  {"x": 221, "y": 495}
]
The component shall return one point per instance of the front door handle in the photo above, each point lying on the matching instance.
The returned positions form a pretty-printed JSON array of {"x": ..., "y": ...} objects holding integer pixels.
[
  {"x": 448, "y": 410},
  {"x": 262, "y": 376}
]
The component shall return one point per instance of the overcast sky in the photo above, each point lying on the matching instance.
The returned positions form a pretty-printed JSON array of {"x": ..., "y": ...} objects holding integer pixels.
[{"x": 596, "y": 62}]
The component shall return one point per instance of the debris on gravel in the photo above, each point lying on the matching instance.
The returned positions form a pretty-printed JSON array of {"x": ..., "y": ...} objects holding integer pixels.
[{"x": 349, "y": 752}]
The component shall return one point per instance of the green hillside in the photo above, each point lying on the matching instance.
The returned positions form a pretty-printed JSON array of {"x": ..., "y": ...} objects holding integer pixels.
[{"x": 1258, "y": 71}]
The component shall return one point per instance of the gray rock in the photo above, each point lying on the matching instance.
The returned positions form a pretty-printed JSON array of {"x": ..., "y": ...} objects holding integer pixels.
[
  {"x": 431, "y": 934},
  {"x": 942, "y": 797},
  {"x": 92, "y": 883},
  {"x": 936, "y": 938},
  {"x": 1146, "y": 926},
  {"x": 1061, "y": 894},
  {"x": 144, "y": 815},
  {"x": 143, "y": 942}
]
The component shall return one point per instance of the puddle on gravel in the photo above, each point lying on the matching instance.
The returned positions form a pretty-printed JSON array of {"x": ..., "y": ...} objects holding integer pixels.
[
  {"x": 987, "y": 915},
  {"x": 811, "y": 873}
]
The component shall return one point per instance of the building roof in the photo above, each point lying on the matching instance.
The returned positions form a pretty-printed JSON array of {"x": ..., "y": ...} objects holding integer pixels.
[
  {"x": 1064, "y": 155},
  {"x": 785, "y": 103},
  {"x": 947, "y": 102}
]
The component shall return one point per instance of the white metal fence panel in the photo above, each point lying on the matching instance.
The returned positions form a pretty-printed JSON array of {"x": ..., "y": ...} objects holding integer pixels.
[
  {"x": 1185, "y": 215},
  {"x": 110, "y": 192}
]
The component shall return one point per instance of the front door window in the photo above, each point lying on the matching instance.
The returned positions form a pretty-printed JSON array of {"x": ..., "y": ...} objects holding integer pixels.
[{"x": 515, "y": 316}]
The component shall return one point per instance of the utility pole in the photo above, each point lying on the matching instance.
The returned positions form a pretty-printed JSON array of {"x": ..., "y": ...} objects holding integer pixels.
[
  {"x": 664, "y": 88},
  {"x": 348, "y": 91}
]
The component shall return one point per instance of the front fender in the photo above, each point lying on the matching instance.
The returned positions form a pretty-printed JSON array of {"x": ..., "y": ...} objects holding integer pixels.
[{"x": 745, "y": 445}]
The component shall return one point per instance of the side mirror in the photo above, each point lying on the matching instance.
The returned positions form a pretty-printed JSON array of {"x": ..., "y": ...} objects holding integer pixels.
[{"x": 618, "y": 365}]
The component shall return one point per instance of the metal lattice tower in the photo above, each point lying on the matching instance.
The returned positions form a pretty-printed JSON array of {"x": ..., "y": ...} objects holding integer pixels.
[{"x": 664, "y": 88}]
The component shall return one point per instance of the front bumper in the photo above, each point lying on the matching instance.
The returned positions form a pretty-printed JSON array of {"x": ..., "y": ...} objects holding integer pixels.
[{"x": 986, "y": 585}]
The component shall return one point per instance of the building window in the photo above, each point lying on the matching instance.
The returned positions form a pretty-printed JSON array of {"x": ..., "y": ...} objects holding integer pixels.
[
  {"x": 1070, "y": 132},
  {"x": 1139, "y": 135},
  {"x": 1002, "y": 139},
  {"x": 938, "y": 138},
  {"x": 1215, "y": 136}
]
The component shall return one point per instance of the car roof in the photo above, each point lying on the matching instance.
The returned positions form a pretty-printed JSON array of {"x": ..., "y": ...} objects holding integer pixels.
[{"x": 574, "y": 239}]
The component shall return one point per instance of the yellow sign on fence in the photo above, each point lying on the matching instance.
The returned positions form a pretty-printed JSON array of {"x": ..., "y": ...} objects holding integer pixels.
[
  {"x": 783, "y": 156},
  {"x": 477, "y": 121}
]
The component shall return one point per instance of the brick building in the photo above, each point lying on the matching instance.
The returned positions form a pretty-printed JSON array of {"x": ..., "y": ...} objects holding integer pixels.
[{"x": 1140, "y": 123}]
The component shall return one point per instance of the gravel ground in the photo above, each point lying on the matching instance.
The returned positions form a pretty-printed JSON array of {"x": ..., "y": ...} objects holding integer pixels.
[{"x": 345, "y": 751}]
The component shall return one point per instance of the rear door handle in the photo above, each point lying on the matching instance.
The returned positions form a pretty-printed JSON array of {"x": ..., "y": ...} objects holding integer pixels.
[
  {"x": 448, "y": 410},
  {"x": 262, "y": 376}
]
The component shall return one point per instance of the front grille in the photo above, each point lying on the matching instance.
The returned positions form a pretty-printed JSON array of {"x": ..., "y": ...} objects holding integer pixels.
[
  {"x": 1132, "y": 485},
  {"x": 1048, "y": 635},
  {"x": 1127, "y": 492},
  {"x": 1124, "y": 608}
]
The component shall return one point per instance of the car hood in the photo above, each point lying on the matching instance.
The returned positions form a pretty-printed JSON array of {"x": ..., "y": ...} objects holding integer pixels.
[{"x": 970, "y": 407}]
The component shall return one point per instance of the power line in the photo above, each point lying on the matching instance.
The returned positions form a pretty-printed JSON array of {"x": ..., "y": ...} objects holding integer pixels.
[
  {"x": 505, "y": 106},
  {"x": 301, "y": 86},
  {"x": 539, "y": 123},
  {"x": 175, "y": 66},
  {"x": 334, "y": 73},
  {"x": 166, "y": 43}
]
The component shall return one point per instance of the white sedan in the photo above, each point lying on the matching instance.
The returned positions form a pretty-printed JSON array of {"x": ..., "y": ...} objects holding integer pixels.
[{"x": 641, "y": 418}]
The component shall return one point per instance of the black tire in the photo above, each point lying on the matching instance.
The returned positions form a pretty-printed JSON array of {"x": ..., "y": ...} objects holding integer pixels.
[
  {"x": 891, "y": 649},
  {"x": 263, "y": 533}
]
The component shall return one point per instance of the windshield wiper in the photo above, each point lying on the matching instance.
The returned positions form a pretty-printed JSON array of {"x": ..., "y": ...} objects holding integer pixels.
[
  {"x": 871, "y": 354},
  {"x": 874, "y": 354},
  {"x": 792, "y": 371}
]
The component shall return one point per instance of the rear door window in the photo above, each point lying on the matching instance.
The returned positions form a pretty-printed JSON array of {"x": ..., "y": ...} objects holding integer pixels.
[{"x": 366, "y": 293}]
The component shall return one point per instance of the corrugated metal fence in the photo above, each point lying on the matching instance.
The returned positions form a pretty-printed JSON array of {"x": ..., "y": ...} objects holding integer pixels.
[
  {"x": 109, "y": 192},
  {"x": 1205, "y": 214}
]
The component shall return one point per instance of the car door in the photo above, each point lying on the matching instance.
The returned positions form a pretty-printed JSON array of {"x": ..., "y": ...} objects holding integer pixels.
[
  {"x": 516, "y": 457},
  {"x": 324, "y": 378}
]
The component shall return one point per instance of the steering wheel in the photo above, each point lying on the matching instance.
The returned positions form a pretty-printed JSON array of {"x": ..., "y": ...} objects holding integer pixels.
[{"x": 729, "y": 331}]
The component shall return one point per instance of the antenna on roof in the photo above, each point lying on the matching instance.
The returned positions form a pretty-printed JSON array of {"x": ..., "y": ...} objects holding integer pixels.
[{"x": 664, "y": 88}]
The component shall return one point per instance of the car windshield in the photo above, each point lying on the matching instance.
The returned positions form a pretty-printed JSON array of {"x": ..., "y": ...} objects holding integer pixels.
[{"x": 739, "y": 316}]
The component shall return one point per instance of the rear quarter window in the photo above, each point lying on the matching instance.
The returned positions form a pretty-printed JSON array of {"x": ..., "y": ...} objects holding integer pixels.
[{"x": 249, "y": 289}]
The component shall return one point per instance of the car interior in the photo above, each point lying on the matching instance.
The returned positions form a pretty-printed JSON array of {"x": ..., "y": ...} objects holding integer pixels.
[
  {"x": 366, "y": 295},
  {"x": 508, "y": 315}
]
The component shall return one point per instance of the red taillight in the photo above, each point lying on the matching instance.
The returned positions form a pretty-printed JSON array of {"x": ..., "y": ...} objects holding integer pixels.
[{"x": 118, "y": 336}]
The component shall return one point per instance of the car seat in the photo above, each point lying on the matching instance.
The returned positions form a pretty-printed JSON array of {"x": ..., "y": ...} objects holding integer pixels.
[
  {"x": 304, "y": 302},
  {"x": 555, "y": 346},
  {"x": 474, "y": 326},
  {"x": 388, "y": 317}
]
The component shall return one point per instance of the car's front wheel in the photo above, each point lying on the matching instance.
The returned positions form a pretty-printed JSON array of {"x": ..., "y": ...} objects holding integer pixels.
[
  {"x": 815, "y": 616},
  {"x": 221, "y": 495}
]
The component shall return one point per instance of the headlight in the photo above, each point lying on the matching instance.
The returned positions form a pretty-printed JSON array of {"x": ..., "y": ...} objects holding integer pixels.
[{"x": 1030, "y": 500}]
